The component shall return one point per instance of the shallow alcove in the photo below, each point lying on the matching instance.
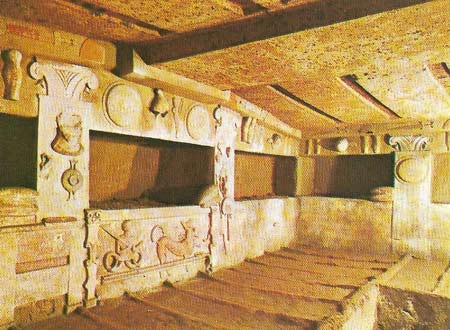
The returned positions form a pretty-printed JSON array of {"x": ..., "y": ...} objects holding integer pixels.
[
  {"x": 128, "y": 171},
  {"x": 262, "y": 175}
]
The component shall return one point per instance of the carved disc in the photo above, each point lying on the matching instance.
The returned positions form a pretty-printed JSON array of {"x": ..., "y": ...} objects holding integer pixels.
[
  {"x": 198, "y": 123},
  {"x": 411, "y": 170},
  {"x": 123, "y": 105},
  {"x": 72, "y": 180}
]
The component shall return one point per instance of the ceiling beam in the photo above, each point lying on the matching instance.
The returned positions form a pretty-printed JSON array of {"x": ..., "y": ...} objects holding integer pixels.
[
  {"x": 352, "y": 85},
  {"x": 263, "y": 25},
  {"x": 440, "y": 73},
  {"x": 302, "y": 103},
  {"x": 249, "y": 7}
]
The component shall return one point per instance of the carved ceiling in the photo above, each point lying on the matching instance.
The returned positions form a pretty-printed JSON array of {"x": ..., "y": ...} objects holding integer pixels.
[{"x": 315, "y": 64}]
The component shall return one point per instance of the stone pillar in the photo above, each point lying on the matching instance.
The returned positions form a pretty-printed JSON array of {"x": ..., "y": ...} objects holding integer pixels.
[
  {"x": 63, "y": 142},
  {"x": 227, "y": 125},
  {"x": 63, "y": 157},
  {"x": 412, "y": 195}
]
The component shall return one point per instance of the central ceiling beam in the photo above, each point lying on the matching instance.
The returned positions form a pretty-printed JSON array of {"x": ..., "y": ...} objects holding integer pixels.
[{"x": 264, "y": 25}]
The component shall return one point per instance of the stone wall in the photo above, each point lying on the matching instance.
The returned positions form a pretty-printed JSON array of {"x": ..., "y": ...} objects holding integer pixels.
[
  {"x": 57, "y": 159},
  {"x": 346, "y": 224}
]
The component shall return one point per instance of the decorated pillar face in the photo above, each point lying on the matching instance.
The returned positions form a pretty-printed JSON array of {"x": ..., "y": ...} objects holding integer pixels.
[
  {"x": 227, "y": 125},
  {"x": 63, "y": 138},
  {"x": 412, "y": 196}
]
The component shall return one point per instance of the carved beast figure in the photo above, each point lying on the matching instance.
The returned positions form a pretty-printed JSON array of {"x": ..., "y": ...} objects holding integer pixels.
[{"x": 166, "y": 246}]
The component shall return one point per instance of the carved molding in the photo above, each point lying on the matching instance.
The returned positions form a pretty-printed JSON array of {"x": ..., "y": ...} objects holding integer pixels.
[
  {"x": 12, "y": 74},
  {"x": 64, "y": 80},
  {"x": 410, "y": 142}
]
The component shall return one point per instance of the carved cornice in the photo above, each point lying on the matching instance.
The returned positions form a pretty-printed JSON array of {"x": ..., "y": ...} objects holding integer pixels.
[
  {"x": 410, "y": 142},
  {"x": 64, "y": 80}
]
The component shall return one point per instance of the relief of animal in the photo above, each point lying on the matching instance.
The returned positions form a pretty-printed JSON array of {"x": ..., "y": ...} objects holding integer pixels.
[{"x": 165, "y": 246}]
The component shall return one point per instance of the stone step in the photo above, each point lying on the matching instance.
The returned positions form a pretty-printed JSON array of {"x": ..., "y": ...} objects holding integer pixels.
[
  {"x": 329, "y": 260},
  {"x": 221, "y": 314},
  {"x": 271, "y": 302},
  {"x": 316, "y": 266},
  {"x": 298, "y": 288},
  {"x": 296, "y": 275},
  {"x": 419, "y": 275}
]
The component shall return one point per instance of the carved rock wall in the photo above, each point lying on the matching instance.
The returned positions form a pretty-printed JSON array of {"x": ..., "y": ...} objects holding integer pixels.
[{"x": 345, "y": 224}]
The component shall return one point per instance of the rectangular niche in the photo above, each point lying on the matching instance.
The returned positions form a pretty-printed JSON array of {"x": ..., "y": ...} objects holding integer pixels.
[
  {"x": 133, "y": 172},
  {"x": 18, "y": 151},
  {"x": 261, "y": 175},
  {"x": 352, "y": 176}
]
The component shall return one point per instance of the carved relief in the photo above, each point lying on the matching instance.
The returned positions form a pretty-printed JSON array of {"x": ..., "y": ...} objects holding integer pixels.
[
  {"x": 160, "y": 106},
  {"x": 341, "y": 145},
  {"x": 275, "y": 141},
  {"x": 72, "y": 179},
  {"x": 44, "y": 166},
  {"x": 411, "y": 170},
  {"x": 376, "y": 144},
  {"x": 127, "y": 251},
  {"x": 446, "y": 127},
  {"x": 227, "y": 123},
  {"x": 123, "y": 105},
  {"x": 93, "y": 217},
  {"x": 12, "y": 74},
  {"x": 165, "y": 246},
  {"x": 365, "y": 144},
  {"x": 68, "y": 134},
  {"x": 177, "y": 103},
  {"x": 198, "y": 123},
  {"x": 63, "y": 80},
  {"x": 317, "y": 147},
  {"x": 309, "y": 146},
  {"x": 90, "y": 265},
  {"x": 410, "y": 142},
  {"x": 248, "y": 127}
]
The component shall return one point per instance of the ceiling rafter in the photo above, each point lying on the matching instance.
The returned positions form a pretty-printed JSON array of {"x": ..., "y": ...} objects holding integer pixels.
[
  {"x": 350, "y": 81},
  {"x": 248, "y": 7},
  {"x": 127, "y": 20},
  {"x": 440, "y": 73},
  {"x": 293, "y": 98}
]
